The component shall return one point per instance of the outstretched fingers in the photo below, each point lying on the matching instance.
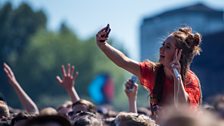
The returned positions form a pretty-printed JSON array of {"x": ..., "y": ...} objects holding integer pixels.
[
  {"x": 128, "y": 84},
  {"x": 72, "y": 70},
  {"x": 175, "y": 55},
  {"x": 5, "y": 69},
  {"x": 76, "y": 75},
  {"x": 59, "y": 80},
  {"x": 179, "y": 55},
  {"x": 8, "y": 70},
  {"x": 63, "y": 71},
  {"x": 69, "y": 70},
  {"x": 72, "y": 73}
]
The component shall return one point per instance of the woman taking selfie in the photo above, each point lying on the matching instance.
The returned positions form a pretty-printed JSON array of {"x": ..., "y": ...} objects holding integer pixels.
[{"x": 170, "y": 80}]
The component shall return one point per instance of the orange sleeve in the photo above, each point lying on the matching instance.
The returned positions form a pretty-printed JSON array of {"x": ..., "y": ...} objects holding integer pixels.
[
  {"x": 147, "y": 75},
  {"x": 193, "y": 90}
]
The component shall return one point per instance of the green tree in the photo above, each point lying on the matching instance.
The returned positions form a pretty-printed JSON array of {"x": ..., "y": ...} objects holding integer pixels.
[
  {"x": 47, "y": 51},
  {"x": 36, "y": 55},
  {"x": 17, "y": 26}
]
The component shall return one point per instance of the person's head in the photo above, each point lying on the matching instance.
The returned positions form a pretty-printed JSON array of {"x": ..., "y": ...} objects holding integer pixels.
[
  {"x": 48, "y": 111},
  {"x": 144, "y": 111},
  {"x": 86, "y": 119},
  {"x": 182, "y": 39},
  {"x": 83, "y": 105},
  {"x": 133, "y": 119},
  {"x": 185, "y": 116},
  {"x": 106, "y": 111},
  {"x": 67, "y": 104},
  {"x": 180, "y": 121},
  {"x": 4, "y": 110},
  {"x": 48, "y": 120},
  {"x": 21, "y": 118},
  {"x": 109, "y": 121},
  {"x": 219, "y": 105},
  {"x": 64, "y": 109}
]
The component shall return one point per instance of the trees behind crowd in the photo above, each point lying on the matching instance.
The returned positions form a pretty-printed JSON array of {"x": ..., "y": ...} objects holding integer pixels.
[{"x": 36, "y": 54}]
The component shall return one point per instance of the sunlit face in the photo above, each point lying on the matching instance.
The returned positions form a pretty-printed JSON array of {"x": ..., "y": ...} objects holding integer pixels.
[{"x": 167, "y": 51}]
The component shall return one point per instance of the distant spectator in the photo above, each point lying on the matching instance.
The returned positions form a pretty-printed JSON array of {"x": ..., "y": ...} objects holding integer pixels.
[
  {"x": 67, "y": 82},
  {"x": 144, "y": 111},
  {"x": 185, "y": 116},
  {"x": 109, "y": 121},
  {"x": 83, "y": 105},
  {"x": 208, "y": 107},
  {"x": 106, "y": 111},
  {"x": 48, "y": 111},
  {"x": 219, "y": 105},
  {"x": 48, "y": 120},
  {"x": 21, "y": 118},
  {"x": 64, "y": 109},
  {"x": 4, "y": 110},
  {"x": 86, "y": 119},
  {"x": 133, "y": 119}
]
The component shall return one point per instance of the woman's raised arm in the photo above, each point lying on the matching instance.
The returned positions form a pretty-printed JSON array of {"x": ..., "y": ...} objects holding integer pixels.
[{"x": 115, "y": 55}]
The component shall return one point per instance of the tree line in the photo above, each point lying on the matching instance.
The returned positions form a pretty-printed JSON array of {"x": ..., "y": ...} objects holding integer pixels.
[{"x": 36, "y": 54}]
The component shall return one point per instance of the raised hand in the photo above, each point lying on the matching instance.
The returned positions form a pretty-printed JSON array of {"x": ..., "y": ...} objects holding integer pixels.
[
  {"x": 68, "y": 79},
  {"x": 103, "y": 34},
  {"x": 131, "y": 91},
  {"x": 25, "y": 100},
  {"x": 176, "y": 61},
  {"x": 10, "y": 75}
]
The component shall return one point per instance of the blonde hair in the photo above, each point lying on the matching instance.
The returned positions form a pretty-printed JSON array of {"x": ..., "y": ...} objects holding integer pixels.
[
  {"x": 48, "y": 111},
  {"x": 4, "y": 110}
]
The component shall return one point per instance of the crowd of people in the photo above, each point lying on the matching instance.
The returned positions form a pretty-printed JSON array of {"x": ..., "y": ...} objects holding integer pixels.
[{"x": 174, "y": 92}]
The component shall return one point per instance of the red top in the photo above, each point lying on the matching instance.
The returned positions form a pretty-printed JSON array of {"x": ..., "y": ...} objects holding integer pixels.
[{"x": 191, "y": 84}]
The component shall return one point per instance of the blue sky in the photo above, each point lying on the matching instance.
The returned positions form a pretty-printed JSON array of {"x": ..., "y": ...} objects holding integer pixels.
[{"x": 124, "y": 16}]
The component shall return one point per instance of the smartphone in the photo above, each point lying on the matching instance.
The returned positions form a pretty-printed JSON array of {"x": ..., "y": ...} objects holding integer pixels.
[
  {"x": 107, "y": 30},
  {"x": 134, "y": 80}
]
